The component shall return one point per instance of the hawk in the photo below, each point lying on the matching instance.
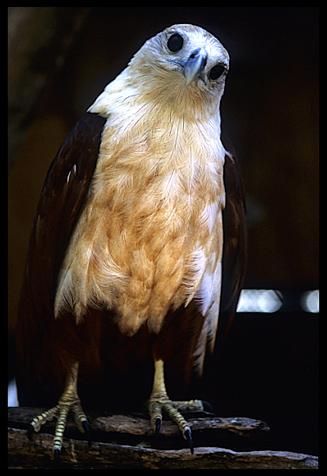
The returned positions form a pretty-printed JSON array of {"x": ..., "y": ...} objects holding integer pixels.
[{"x": 139, "y": 239}]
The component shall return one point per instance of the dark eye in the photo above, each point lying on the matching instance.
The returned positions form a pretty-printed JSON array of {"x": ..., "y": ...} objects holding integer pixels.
[
  {"x": 217, "y": 71},
  {"x": 175, "y": 42}
]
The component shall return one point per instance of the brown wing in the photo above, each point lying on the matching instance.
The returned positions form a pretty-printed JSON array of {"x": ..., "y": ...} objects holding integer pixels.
[
  {"x": 61, "y": 201},
  {"x": 235, "y": 242}
]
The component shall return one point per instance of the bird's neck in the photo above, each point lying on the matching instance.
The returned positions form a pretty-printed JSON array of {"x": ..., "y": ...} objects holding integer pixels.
[
  {"x": 130, "y": 98},
  {"x": 152, "y": 138}
]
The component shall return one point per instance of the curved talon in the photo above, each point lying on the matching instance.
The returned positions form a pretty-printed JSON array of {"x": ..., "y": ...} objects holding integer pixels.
[
  {"x": 87, "y": 432},
  {"x": 56, "y": 456},
  {"x": 207, "y": 406},
  {"x": 30, "y": 432},
  {"x": 158, "y": 426},
  {"x": 188, "y": 438}
]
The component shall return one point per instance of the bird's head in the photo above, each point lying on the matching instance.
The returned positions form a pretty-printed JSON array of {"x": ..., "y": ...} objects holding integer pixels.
[{"x": 182, "y": 62}]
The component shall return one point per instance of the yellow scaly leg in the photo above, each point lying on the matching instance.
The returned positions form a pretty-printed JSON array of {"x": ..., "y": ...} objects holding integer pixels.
[
  {"x": 69, "y": 401},
  {"x": 160, "y": 401}
]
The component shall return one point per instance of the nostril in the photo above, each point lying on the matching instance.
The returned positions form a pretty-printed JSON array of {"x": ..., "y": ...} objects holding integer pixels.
[{"x": 194, "y": 54}]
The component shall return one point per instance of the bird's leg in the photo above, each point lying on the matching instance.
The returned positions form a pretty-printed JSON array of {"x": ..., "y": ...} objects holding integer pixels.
[
  {"x": 69, "y": 400},
  {"x": 160, "y": 401}
]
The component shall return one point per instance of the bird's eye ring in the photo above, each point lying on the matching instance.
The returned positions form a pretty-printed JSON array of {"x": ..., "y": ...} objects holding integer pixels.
[
  {"x": 217, "y": 71},
  {"x": 175, "y": 42}
]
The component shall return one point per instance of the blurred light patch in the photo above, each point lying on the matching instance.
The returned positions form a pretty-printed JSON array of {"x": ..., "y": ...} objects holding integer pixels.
[
  {"x": 260, "y": 300},
  {"x": 310, "y": 301},
  {"x": 12, "y": 394}
]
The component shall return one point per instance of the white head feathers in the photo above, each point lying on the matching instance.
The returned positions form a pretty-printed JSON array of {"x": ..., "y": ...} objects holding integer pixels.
[{"x": 183, "y": 66}]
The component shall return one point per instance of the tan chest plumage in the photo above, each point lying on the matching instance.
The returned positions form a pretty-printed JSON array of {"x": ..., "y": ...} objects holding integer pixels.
[{"x": 150, "y": 235}]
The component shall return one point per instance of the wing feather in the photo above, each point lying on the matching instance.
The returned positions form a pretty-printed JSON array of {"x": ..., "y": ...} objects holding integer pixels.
[
  {"x": 61, "y": 201},
  {"x": 235, "y": 242}
]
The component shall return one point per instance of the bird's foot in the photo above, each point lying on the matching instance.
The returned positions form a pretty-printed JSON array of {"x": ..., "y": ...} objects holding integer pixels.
[
  {"x": 159, "y": 403},
  {"x": 69, "y": 401}
]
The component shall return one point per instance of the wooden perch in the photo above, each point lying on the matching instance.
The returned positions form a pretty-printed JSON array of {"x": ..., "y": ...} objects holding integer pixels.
[{"x": 37, "y": 452}]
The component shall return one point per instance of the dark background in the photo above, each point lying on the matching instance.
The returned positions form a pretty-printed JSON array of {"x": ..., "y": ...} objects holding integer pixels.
[{"x": 60, "y": 59}]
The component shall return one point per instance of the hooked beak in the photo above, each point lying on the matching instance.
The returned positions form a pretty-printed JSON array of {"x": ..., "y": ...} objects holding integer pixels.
[{"x": 193, "y": 67}]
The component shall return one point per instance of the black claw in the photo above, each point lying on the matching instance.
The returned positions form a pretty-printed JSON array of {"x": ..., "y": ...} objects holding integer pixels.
[
  {"x": 87, "y": 432},
  {"x": 30, "y": 432},
  {"x": 207, "y": 407},
  {"x": 188, "y": 436},
  {"x": 56, "y": 454},
  {"x": 158, "y": 426}
]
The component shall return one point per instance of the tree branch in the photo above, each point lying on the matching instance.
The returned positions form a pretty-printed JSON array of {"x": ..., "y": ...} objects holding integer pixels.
[{"x": 37, "y": 452}]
